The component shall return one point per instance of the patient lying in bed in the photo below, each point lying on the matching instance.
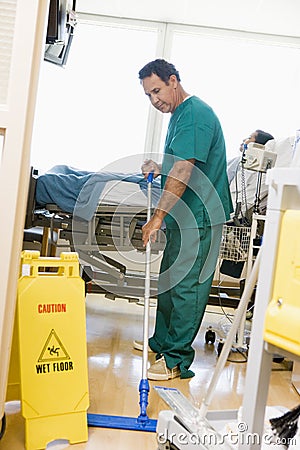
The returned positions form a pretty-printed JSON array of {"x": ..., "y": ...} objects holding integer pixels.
[{"x": 79, "y": 192}]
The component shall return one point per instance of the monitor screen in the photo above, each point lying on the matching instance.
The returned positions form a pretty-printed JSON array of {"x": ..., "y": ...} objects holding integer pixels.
[{"x": 60, "y": 29}]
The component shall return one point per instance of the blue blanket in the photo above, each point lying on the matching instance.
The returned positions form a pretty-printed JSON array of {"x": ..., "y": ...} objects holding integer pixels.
[{"x": 78, "y": 191}]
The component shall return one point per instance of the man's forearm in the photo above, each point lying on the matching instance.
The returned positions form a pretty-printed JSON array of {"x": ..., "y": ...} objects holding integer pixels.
[{"x": 174, "y": 188}]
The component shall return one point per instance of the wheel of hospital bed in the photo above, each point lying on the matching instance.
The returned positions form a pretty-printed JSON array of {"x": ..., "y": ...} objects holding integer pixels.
[
  {"x": 278, "y": 359},
  {"x": 210, "y": 336},
  {"x": 3, "y": 426}
]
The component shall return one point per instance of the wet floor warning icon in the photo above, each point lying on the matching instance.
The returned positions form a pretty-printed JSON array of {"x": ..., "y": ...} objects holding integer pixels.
[{"x": 53, "y": 349}]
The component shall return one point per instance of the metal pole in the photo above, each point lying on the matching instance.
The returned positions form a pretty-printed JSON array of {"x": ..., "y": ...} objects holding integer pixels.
[{"x": 144, "y": 384}]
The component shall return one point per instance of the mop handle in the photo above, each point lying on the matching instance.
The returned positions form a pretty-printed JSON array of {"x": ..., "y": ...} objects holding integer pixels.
[
  {"x": 149, "y": 196},
  {"x": 147, "y": 281}
]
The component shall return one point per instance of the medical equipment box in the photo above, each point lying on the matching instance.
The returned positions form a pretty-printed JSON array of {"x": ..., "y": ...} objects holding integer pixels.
[
  {"x": 51, "y": 324},
  {"x": 259, "y": 159}
]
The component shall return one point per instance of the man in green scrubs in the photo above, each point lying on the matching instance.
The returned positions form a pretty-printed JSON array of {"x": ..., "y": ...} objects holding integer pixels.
[{"x": 194, "y": 204}]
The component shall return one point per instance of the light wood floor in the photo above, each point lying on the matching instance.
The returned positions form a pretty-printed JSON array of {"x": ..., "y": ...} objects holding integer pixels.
[{"x": 115, "y": 370}]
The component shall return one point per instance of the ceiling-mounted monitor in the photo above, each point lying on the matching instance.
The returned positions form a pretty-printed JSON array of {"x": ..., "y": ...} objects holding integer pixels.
[{"x": 60, "y": 29}]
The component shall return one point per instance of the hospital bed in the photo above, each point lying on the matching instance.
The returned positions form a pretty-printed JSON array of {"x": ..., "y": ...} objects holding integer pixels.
[
  {"x": 107, "y": 236},
  {"x": 110, "y": 225}
]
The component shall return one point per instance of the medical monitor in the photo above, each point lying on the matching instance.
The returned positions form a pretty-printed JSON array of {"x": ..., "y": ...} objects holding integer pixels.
[{"x": 60, "y": 29}]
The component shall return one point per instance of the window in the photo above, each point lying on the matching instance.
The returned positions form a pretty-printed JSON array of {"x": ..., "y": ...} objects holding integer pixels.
[
  {"x": 251, "y": 81},
  {"x": 93, "y": 112}
]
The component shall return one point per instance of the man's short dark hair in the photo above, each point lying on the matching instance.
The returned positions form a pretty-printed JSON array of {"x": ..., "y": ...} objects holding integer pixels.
[{"x": 161, "y": 68}]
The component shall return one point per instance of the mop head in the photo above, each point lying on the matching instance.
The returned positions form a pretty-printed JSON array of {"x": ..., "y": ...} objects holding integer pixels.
[{"x": 121, "y": 423}]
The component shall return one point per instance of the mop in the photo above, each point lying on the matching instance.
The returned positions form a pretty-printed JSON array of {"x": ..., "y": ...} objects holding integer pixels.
[{"x": 142, "y": 422}]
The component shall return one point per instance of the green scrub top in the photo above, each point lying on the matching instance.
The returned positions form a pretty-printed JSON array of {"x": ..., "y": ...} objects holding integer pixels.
[{"x": 194, "y": 132}]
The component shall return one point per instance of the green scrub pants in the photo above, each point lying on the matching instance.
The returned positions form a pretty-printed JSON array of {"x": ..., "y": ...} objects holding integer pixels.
[{"x": 185, "y": 278}]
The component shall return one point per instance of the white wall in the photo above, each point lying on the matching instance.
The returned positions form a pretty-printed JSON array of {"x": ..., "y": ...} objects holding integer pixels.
[{"x": 261, "y": 16}]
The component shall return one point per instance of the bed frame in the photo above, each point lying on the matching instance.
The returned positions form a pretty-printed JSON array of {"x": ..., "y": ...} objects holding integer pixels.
[{"x": 113, "y": 228}]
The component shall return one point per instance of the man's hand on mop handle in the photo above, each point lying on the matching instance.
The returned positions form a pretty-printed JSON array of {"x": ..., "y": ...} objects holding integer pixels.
[
  {"x": 151, "y": 170},
  {"x": 150, "y": 229},
  {"x": 151, "y": 166}
]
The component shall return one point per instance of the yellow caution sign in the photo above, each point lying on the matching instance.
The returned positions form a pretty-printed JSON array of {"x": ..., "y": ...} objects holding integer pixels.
[
  {"x": 52, "y": 347},
  {"x": 283, "y": 313}
]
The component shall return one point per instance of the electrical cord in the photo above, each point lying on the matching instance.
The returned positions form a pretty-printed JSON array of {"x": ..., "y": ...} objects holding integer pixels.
[
  {"x": 246, "y": 219},
  {"x": 243, "y": 190},
  {"x": 229, "y": 318},
  {"x": 244, "y": 354}
]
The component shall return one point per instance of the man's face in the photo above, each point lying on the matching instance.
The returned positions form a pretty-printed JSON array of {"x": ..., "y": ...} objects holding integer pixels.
[{"x": 163, "y": 97}]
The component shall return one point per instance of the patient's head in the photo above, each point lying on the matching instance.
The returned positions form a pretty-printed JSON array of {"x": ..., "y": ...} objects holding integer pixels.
[{"x": 258, "y": 136}]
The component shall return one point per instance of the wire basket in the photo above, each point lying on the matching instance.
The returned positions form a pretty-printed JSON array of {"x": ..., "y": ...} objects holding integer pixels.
[{"x": 235, "y": 243}]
